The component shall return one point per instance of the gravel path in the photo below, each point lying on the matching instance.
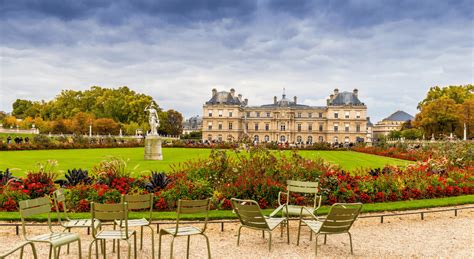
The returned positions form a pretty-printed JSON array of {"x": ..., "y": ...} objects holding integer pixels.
[{"x": 439, "y": 235}]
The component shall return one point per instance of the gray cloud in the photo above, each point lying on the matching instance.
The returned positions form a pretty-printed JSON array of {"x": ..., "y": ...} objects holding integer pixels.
[{"x": 177, "y": 51}]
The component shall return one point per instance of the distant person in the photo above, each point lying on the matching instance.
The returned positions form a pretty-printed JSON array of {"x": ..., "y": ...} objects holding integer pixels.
[
  {"x": 27, "y": 140},
  {"x": 9, "y": 139}
]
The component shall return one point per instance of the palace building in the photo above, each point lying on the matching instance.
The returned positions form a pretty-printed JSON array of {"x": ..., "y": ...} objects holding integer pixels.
[{"x": 228, "y": 117}]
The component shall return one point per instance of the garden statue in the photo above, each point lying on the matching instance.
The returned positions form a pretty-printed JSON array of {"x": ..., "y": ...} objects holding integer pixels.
[
  {"x": 153, "y": 140},
  {"x": 153, "y": 119}
]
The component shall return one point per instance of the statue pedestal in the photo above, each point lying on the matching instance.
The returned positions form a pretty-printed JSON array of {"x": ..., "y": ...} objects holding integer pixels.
[{"x": 153, "y": 148}]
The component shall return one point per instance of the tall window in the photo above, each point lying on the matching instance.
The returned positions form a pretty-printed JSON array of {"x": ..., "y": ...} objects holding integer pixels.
[
  {"x": 299, "y": 127},
  {"x": 358, "y": 115},
  {"x": 256, "y": 138},
  {"x": 282, "y": 138},
  {"x": 346, "y": 114},
  {"x": 310, "y": 127},
  {"x": 298, "y": 139},
  {"x": 320, "y": 115},
  {"x": 358, "y": 127},
  {"x": 336, "y": 140},
  {"x": 210, "y": 113},
  {"x": 246, "y": 126},
  {"x": 219, "y": 137},
  {"x": 220, "y": 113},
  {"x": 346, "y": 139},
  {"x": 336, "y": 127},
  {"x": 258, "y": 114},
  {"x": 248, "y": 114},
  {"x": 256, "y": 126},
  {"x": 310, "y": 115},
  {"x": 209, "y": 126},
  {"x": 220, "y": 125},
  {"x": 268, "y": 115},
  {"x": 346, "y": 127},
  {"x": 321, "y": 138},
  {"x": 336, "y": 115},
  {"x": 267, "y": 126},
  {"x": 230, "y": 125},
  {"x": 310, "y": 140},
  {"x": 267, "y": 138},
  {"x": 282, "y": 127},
  {"x": 209, "y": 137},
  {"x": 320, "y": 127},
  {"x": 230, "y": 114},
  {"x": 299, "y": 115}
]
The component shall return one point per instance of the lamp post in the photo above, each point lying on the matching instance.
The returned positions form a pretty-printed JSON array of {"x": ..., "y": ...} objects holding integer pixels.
[
  {"x": 465, "y": 132},
  {"x": 90, "y": 130}
]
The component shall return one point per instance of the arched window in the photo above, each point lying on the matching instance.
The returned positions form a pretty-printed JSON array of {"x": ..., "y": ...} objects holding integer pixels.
[
  {"x": 209, "y": 137},
  {"x": 321, "y": 139},
  {"x": 282, "y": 138},
  {"x": 310, "y": 140},
  {"x": 267, "y": 138},
  {"x": 346, "y": 139},
  {"x": 335, "y": 140},
  {"x": 298, "y": 139},
  {"x": 255, "y": 138},
  {"x": 230, "y": 138},
  {"x": 219, "y": 137}
]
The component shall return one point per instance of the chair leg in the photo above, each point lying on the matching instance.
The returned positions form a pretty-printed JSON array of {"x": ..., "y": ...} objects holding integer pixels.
[
  {"x": 50, "y": 251},
  {"x": 263, "y": 233},
  {"x": 59, "y": 250},
  {"x": 299, "y": 231},
  {"x": 56, "y": 252},
  {"x": 104, "y": 248},
  {"x": 171, "y": 250},
  {"x": 208, "y": 246},
  {"x": 288, "y": 230},
  {"x": 310, "y": 235},
  {"x": 135, "y": 245},
  {"x": 90, "y": 248},
  {"x": 325, "y": 236},
  {"x": 316, "y": 246},
  {"x": 159, "y": 245},
  {"x": 34, "y": 250},
  {"x": 281, "y": 229},
  {"x": 69, "y": 230},
  {"x": 113, "y": 241},
  {"x": 21, "y": 252},
  {"x": 141, "y": 238},
  {"x": 238, "y": 236},
  {"x": 350, "y": 241},
  {"x": 129, "y": 251},
  {"x": 79, "y": 248},
  {"x": 118, "y": 248},
  {"x": 97, "y": 248},
  {"x": 187, "y": 247},
  {"x": 269, "y": 241},
  {"x": 152, "y": 242}
]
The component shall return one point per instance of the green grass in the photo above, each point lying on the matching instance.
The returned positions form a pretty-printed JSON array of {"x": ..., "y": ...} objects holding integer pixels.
[
  {"x": 22, "y": 161},
  {"x": 4, "y": 136},
  {"x": 228, "y": 214}
]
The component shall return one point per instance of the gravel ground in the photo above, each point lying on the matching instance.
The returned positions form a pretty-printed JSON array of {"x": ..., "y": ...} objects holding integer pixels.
[{"x": 439, "y": 235}]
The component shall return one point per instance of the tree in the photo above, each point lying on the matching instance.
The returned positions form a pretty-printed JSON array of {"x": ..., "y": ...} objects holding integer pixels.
[
  {"x": 21, "y": 107},
  {"x": 467, "y": 117},
  {"x": 458, "y": 93},
  {"x": 412, "y": 134},
  {"x": 105, "y": 126},
  {"x": 439, "y": 117},
  {"x": 2, "y": 116},
  {"x": 81, "y": 122},
  {"x": 173, "y": 123},
  {"x": 394, "y": 134}
]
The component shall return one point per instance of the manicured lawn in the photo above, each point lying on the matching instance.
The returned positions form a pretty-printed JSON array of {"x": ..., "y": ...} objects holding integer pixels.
[
  {"x": 22, "y": 161},
  {"x": 228, "y": 214}
]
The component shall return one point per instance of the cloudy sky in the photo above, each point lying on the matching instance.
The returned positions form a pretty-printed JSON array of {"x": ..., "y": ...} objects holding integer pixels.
[{"x": 177, "y": 51}]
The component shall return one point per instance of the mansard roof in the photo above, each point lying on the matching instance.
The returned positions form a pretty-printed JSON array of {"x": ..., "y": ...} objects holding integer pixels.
[
  {"x": 345, "y": 98},
  {"x": 224, "y": 97},
  {"x": 399, "y": 116}
]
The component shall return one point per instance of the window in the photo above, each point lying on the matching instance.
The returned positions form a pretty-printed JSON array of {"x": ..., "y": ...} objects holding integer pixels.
[
  {"x": 358, "y": 115},
  {"x": 298, "y": 139},
  {"x": 230, "y": 114},
  {"x": 210, "y": 113},
  {"x": 246, "y": 126},
  {"x": 358, "y": 127},
  {"x": 220, "y": 113},
  {"x": 310, "y": 127},
  {"x": 256, "y": 126},
  {"x": 282, "y": 127},
  {"x": 310, "y": 140},
  {"x": 219, "y": 137},
  {"x": 209, "y": 137},
  {"x": 321, "y": 139},
  {"x": 336, "y": 127},
  {"x": 336, "y": 115},
  {"x": 310, "y": 115},
  {"x": 248, "y": 114},
  {"x": 267, "y": 138},
  {"x": 255, "y": 138},
  {"x": 346, "y": 139},
  {"x": 320, "y": 115},
  {"x": 347, "y": 127},
  {"x": 282, "y": 138},
  {"x": 268, "y": 115},
  {"x": 209, "y": 126},
  {"x": 299, "y": 114},
  {"x": 220, "y": 125},
  {"x": 335, "y": 140},
  {"x": 346, "y": 114},
  {"x": 230, "y": 138},
  {"x": 267, "y": 126},
  {"x": 299, "y": 127},
  {"x": 230, "y": 125},
  {"x": 320, "y": 127},
  {"x": 258, "y": 114}
]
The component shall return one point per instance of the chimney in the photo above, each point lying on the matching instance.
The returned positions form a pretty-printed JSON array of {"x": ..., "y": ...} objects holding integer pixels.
[
  {"x": 274, "y": 99},
  {"x": 295, "y": 98},
  {"x": 327, "y": 102},
  {"x": 336, "y": 91},
  {"x": 356, "y": 92},
  {"x": 331, "y": 96},
  {"x": 214, "y": 91},
  {"x": 246, "y": 101},
  {"x": 240, "y": 96},
  {"x": 232, "y": 92}
]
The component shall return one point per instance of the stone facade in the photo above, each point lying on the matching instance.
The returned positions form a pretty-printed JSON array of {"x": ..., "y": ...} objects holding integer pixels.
[
  {"x": 391, "y": 123},
  {"x": 227, "y": 117}
]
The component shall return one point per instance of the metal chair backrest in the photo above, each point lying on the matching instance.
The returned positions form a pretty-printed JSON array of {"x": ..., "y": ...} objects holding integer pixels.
[
  {"x": 60, "y": 201},
  {"x": 249, "y": 213},
  {"x": 109, "y": 212},
  {"x": 33, "y": 207},
  {"x": 302, "y": 187},
  {"x": 139, "y": 202},
  {"x": 193, "y": 207},
  {"x": 340, "y": 218}
]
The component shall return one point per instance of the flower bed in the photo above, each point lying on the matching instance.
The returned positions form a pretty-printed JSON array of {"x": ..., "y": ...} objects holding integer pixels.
[{"x": 257, "y": 174}]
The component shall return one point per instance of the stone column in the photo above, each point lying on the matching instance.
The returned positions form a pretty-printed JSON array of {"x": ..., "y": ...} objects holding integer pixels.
[{"x": 153, "y": 148}]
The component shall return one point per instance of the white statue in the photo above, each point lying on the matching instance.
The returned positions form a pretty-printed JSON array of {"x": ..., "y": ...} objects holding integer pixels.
[{"x": 153, "y": 119}]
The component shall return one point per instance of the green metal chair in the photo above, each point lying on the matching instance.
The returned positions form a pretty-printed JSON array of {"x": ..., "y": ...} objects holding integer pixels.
[
  {"x": 111, "y": 212},
  {"x": 139, "y": 202},
  {"x": 29, "y": 208},
  {"x": 68, "y": 224},
  {"x": 188, "y": 207},
  {"x": 21, "y": 247},
  {"x": 339, "y": 220},
  {"x": 287, "y": 209},
  {"x": 250, "y": 216}
]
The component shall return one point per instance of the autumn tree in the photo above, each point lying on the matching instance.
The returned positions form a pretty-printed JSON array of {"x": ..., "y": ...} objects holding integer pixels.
[{"x": 105, "y": 126}]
